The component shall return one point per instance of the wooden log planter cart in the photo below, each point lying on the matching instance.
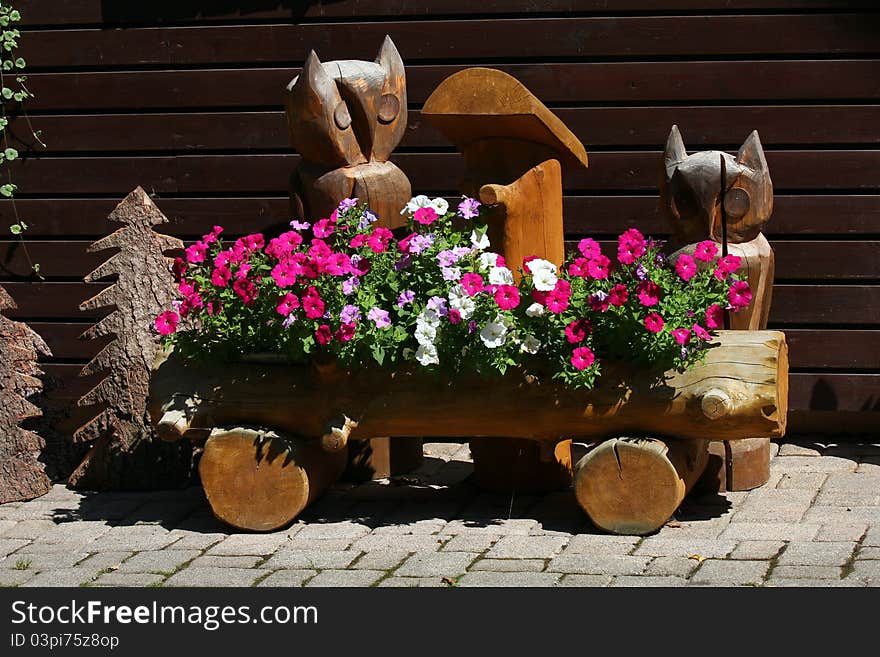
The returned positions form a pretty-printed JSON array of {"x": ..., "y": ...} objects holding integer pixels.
[{"x": 360, "y": 320}]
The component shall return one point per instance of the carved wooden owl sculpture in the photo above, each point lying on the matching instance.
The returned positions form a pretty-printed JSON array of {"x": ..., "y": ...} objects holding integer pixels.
[
  {"x": 345, "y": 118},
  {"x": 691, "y": 193}
]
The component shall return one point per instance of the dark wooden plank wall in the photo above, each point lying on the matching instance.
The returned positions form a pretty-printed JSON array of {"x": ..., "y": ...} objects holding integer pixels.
[{"x": 184, "y": 97}]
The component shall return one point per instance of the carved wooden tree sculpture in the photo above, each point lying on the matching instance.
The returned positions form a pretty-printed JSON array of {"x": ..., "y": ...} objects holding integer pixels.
[
  {"x": 123, "y": 453},
  {"x": 21, "y": 474},
  {"x": 513, "y": 148},
  {"x": 345, "y": 118},
  {"x": 694, "y": 201}
]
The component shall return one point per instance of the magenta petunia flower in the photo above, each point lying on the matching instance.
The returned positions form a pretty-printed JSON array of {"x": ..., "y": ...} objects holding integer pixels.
[
  {"x": 507, "y": 297},
  {"x": 345, "y": 332},
  {"x": 454, "y": 316},
  {"x": 630, "y": 246},
  {"x": 681, "y": 335},
  {"x": 425, "y": 216},
  {"x": 166, "y": 322},
  {"x": 582, "y": 358},
  {"x": 700, "y": 332},
  {"x": 287, "y": 304},
  {"x": 726, "y": 266},
  {"x": 358, "y": 241},
  {"x": 323, "y": 334},
  {"x": 580, "y": 267},
  {"x": 739, "y": 295},
  {"x": 246, "y": 290},
  {"x": 589, "y": 248},
  {"x": 706, "y": 251},
  {"x": 556, "y": 299},
  {"x": 178, "y": 268},
  {"x": 599, "y": 267},
  {"x": 714, "y": 316},
  {"x": 618, "y": 295},
  {"x": 472, "y": 283},
  {"x": 578, "y": 330},
  {"x": 283, "y": 275},
  {"x": 686, "y": 267},
  {"x": 648, "y": 293},
  {"x": 196, "y": 253},
  {"x": 312, "y": 303},
  {"x": 599, "y": 301},
  {"x": 654, "y": 323}
]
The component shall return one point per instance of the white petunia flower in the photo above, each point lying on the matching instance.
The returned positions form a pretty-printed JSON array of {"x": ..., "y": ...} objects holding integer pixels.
[
  {"x": 539, "y": 265},
  {"x": 530, "y": 345},
  {"x": 429, "y": 317},
  {"x": 440, "y": 205},
  {"x": 457, "y": 292},
  {"x": 543, "y": 279},
  {"x": 426, "y": 354},
  {"x": 488, "y": 260},
  {"x": 425, "y": 334},
  {"x": 500, "y": 276},
  {"x": 416, "y": 202},
  {"x": 479, "y": 242},
  {"x": 464, "y": 305},
  {"x": 493, "y": 334},
  {"x": 535, "y": 310}
]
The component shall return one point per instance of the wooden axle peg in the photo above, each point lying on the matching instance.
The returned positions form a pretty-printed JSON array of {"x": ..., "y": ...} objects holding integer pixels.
[{"x": 336, "y": 437}]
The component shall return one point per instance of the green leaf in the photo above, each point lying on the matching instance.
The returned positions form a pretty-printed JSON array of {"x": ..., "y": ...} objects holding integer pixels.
[
  {"x": 20, "y": 63},
  {"x": 7, "y": 93},
  {"x": 10, "y": 153},
  {"x": 15, "y": 229},
  {"x": 4, "y": 20},
  {"x": 7, "y": 190},
  {"x": 14, "y": 15}
]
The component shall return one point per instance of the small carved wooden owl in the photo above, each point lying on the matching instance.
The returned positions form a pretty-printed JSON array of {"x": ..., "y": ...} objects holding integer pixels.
[
  {"x": 691, "y": 193},
  {"x": 345, "y": 118}
]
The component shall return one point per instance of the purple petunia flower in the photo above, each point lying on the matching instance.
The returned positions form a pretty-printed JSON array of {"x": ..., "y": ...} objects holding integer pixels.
[
  {"x": 446, "y": 258},
  {"x": 349, "y": 314},
  {"x": 349, "y": 284},
  {"x": 379, "y": 317},
  {"x": 300, "y": 225},
  {"x": 468, "y": 207},
  {"x": 347, "y": 204},
  {"x": 406, "y": 298},
  {"x": 404, "y": 263},
  {"x": 641, "y": 273},
  {"x": 450, "y": 273},
  {"x": 289, "y": 320},
  {"x": 438, "y": 305}
]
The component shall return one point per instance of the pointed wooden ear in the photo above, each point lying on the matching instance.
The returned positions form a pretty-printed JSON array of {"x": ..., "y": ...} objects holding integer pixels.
[
  {"x": 675, "y": 151},
  {"x": 751, "y": 153},
  {"x": 389, "y": 59},
  {"x": 313, "y": 72}
]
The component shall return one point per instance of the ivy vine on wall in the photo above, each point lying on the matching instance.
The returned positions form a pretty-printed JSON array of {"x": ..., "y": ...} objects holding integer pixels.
[{"x": 14, "y": 93}]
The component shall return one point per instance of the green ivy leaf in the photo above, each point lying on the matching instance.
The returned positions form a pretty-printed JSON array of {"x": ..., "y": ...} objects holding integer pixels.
[
  {"x": 7, "y": 93},
  {"x": 10, "y": 153},
  {"x": 4, "y": 20},
  {"x": 20, "y": 63},
  {"x": 15, "y": 229},
  {"x": 14, "y": 16},
  {"x": 7, "y": 189}
]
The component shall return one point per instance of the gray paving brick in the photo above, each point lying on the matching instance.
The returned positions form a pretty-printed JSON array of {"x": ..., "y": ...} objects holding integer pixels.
[
  {"x": 811, "y": 464},
  {"x": 411, "y": 543},
  {"x": 642, "y": 580},
  {"x": 600, "y": 544},
  {"x": 185, "y": 539},
  {"x": 671, "y": 566},
  {"x": 425, "y": 526},
  {"x": 585, "y": 581},
  {"x": 599, "y": 564},
  {"x": 869, "y": 553},
  {"x": 405, "y": 582},
  {"x": 6, "y": 525},
  {"x": 839, "y": 532},
  {"x": 42, "y": 561},
  {"x": 488, "y": 578},
  {"x": 731, "y": 572},
  {"x": 342, "y": 529},
  {"x": 158, "y": 561},
  {"x": 443, "y": 564},
  {"x": 308, "y": 560},
  {"x": 805, "y": 572},
  {"x": 128, "y": 579},
  {"x": 214, "y": 561},
  {"x": 527, "y": 547},
  {"x": 318, "y": 544},
  {"x": 101, "y": 560},
  {"x": 248, "y": 544},
  {"x": 696, "y": 529},
  {"x": 213, "y": 577},
  {"x": 774, "y": 505},
  {"x": 358, "y": 578},
  {"x": 872, "y": 536},
  {"x": 771, "y": 531},
  {"x": 71, "y": 532},
  {"x": 10, "y": 545},
  {"x": 844, "y": 514},
  {"x": 509, "y": 565},
  {"x": 469, "y": 543},
  {"x": 867, "y": 570},
  {"x": 288, "y": 578},
  {"x": 29, "y": 529},
  {"x": 136, "y": 538},
  {"x": 61, "y": 577},
  {"x": 754, "y": 550},
  {"x": 865, "y": 497},
  {"x": 380, "y": 560},
  {"x": 15, "y": 577},
  {"x": 667, "y": 547},
  {"x": 795, "y": 449},
  {"x": 811, "y": 481},
  {"x": 814, "y": 583},
  {"x": 501, "y": 527},
  {"x": 816, "y": 553},
  {"x": 852, "y": 482}
]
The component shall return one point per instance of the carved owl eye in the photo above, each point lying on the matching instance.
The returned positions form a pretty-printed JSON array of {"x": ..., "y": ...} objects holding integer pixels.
[
  {"x": 736, "y": 202},
  {"x": 389, "y": 108},
  {"x": 341, "y": 116}
]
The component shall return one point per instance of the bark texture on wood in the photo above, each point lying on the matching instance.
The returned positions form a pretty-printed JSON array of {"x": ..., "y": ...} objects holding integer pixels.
[
  {"x": 22, "y": 475},
  {"x": 123, "y": 453},
  {"x": 634, "y": 485},
  {"x": 748, "y": 367},
  {"x": 261, "y": 480}
]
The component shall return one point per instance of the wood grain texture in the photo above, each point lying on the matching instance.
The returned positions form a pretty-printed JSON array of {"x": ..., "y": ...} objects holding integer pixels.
[
  {"x": 22, "y": 474},
  {"x": 122, "y": 453}
]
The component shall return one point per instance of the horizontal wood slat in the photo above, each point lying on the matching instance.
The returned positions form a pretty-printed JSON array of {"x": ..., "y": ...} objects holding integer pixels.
[
  {"x": 583, "y": 83},
  {"x": 799, "y": 260},
  {"x": 470, "y": 40},
  {"x": 584, "y": 215},
  {"x": 60, "y": 12},
  {"x": 810, "y": 348},
  {"x": 792, "y": 304},
  {"x": 428, "y": 172},
  {"x": 596, "y": 127}
]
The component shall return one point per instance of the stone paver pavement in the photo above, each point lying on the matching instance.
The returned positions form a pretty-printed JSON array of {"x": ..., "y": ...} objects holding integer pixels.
[{"x": 816, "y": 523}]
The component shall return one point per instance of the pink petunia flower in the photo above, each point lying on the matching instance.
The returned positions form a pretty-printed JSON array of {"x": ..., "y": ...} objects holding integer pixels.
[
  {"x": 525, "y": 263},
  {"x": 654, "y": 323},
  {"x": 589, "y": 248},
  {"x": 287, "y": 304},
  {"x": 425, "y": 216},
  {"x": 345, "y": 332},
  {"x": 468, "y": 208},
  {"x": 507, "y": 297},
  {"x": 196, "y": 253},
  {"x": 599, "y": 267},
  {"x": 454, "y": 316},
  {"x": 323, "y": 334},
  {"x": 312, "y": 303},
  {"x": 580, "y": 267},
  {"x": 618, "y": 295},
  {"x": 700, "y": 332},
  {"x": 739, "y": 295},
  {"x": 630, "y": 246},
  {"x": 283, "y": 275},
  {"x": 706, "y": 251},
  {"x": 681, "y": 335},
  {"x": 578, "y": 330},
  {"x": 726, "y": 266},
  {"x": 379, "y": 239},
  {"x": 323, "y": 228},
  {"x": 166, "y": 323},
  {"x": 599, "y": 301},
  {"x": 246, "y": 290},
  {"x": 472, "y": 283},
  {"x": 714, "y": 316},
  {"x": 379, "y": 317},
  {"x": 582, "y": 358},
  {"x": 178, "y": 269},
  {"x": 686, "y": 267},
  {"x": 648, "y": 293},
  {"x": 557, "y": 298}
]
